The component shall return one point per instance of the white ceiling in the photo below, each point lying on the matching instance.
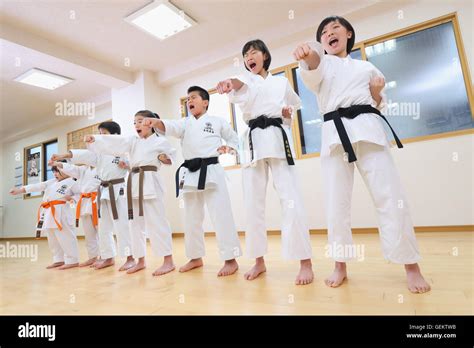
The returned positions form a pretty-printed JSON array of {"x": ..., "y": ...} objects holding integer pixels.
[{"x": 89, "y": 41}]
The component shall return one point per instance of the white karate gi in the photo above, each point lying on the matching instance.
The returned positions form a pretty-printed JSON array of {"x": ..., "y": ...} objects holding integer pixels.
[
  {"x": 62, "y": 243},
  {"x": 342, "y": 82},
  {"x": 267, "y": 96},
  {"x": 200, "y": 138},
  {"x": 153, "y": 223},
  {"x": 88, "y": 182},
  {"x": 108, "y": 169}
]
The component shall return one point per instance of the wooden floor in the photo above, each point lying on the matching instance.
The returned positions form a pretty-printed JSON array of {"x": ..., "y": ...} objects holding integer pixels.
[{"x": 374, "y": 286}]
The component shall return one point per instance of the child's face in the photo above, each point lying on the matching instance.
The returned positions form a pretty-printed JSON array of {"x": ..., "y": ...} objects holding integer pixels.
[
  {"x": 58, "y": 175},
  {"x": 334, "y": 38},
  {"x": 103, "y": 131},
  {"x": 142, "y": 131},
  {"x": 254, "y": 60},
  {"x": 196, "y": 105}
]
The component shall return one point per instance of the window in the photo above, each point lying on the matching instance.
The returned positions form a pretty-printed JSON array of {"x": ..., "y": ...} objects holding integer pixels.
[
  {"x": 424, "y": 82},
  {"x": 356, "y": 54},
  {"x": 50, "y": 149}
]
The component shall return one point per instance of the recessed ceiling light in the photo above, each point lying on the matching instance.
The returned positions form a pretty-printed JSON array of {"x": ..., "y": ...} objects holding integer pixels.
[
  {"x": 44, "y": 79},
  {"x": 161, "y": 19}
]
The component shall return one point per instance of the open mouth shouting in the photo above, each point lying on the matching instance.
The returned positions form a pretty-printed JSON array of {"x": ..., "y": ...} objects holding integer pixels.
[
  {"x": 251, "y": 65},
  {"x": 191, "y": 106},
  {"x": 333, "y": 42}
]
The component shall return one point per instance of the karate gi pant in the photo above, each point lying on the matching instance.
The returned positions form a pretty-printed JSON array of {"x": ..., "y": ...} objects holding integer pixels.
[
  {"x": 380, "y": 175},
  {"x": 153, "y": 224},
  {"x": 107, "y": 227},
  {"x": 91, "y": 236},
  {"x": 220, "y": 211},
  {"x": 63, "y": 244},
  {"x": 296, "y": 244}
]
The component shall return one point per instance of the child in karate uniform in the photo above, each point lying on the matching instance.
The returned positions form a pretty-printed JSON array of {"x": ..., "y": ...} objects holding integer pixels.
[
  {"x": 267, "y": 104},
  {"x": 145, "y": 189},
  {"x": 201, "y": 179},
  {"x": 350, "y": 96},
  {"x": 111, "y": 200},
  {"x": 56, "y": 217},
  {"x": 86, "y": 208}
]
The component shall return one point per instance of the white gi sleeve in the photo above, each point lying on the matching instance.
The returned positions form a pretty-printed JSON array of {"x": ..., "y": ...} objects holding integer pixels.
[{"x": 174, "y": 128}]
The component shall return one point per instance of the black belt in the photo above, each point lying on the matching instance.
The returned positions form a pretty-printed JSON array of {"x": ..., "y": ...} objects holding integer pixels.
[
  {"x": 194, "y": 165},
  {"x": 264, "y": 122},
  {"x": 352, "y": 112},
  {"x": 110, "y": 185},
  {"x": 141, "y": 170}
]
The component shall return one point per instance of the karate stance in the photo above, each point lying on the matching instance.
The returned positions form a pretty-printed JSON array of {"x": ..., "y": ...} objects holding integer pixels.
[
  {"x": 267, "y": 104},
  {"x": 201, "y": 179},
  {"x": 111, "y": 200},
  {"x": 56, "y": 217},
  {"x": 350, "y": 96},
  {"x": 145, "y": 189}
]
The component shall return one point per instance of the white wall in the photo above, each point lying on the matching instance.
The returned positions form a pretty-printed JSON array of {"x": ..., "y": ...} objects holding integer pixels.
[{"x": 439, "y": 189}]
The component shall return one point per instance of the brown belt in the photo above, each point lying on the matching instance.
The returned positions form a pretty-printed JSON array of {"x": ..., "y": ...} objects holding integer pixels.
[
  {"x": 141, "y": 171},
  {"x": 110, "y": 185}
]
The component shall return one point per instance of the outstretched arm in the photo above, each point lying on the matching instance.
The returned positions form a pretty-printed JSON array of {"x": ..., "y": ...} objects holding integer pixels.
[
  {"x": 174, "y": 128},
  {"x": 312, "y": 63},
  {"x": 17, "y": 190},
  {"x": 306, "y": 53},
  {"x": 116, "y": 145},
  {"x": 229, "y": 85}
]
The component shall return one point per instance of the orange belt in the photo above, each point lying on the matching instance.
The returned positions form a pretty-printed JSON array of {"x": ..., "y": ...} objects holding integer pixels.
[
  {"x": 51, "y": 205},
  {"x": 92, "y": 196}
]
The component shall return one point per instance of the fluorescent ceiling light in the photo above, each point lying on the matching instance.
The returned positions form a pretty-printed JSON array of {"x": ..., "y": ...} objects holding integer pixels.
[
  {"x": 161, "y": 19},
  {"x": 40, "y": 78}
]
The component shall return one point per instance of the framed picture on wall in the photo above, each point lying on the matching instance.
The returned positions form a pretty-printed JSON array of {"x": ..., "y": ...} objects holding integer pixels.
[
  {"x": 33, "y": 171},
  {"x": 35, "y": 164}
]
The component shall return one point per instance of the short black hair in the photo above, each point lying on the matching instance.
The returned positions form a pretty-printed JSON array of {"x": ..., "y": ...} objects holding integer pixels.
[
  {"x": 344, "y": 23},
  {"x": 148, "y": 113},
  {"x": 56, "y": 169},
  {"x": 202, "y": 93},
  {"x": 258, "y": 45},
  {"x": 111, "y": 126}
]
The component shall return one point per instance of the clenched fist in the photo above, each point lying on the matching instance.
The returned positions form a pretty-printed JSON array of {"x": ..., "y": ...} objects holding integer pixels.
[
  {"x": 89, "y": 139},
  {"x": 225, "y": 86}
]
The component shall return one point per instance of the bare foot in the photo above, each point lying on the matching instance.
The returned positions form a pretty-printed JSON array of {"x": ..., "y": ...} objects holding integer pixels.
[
  {"x": 416, "y": 283},
  {"x": 338, "y": 275},
  {"x": 305, "y": 275},
  {"x": 128, "y": 264},
  {"x": 105, "y": 263},
  {"x": 88, "y": 262},
  {"x": 256, "y": 270},
  {"x": 138, "y": 267},
  {"x": 67, "y": 266},
  {"x": 192, "y": 264},
  {"x": 54, "y": 265},
  {"x": 97, "y": 262},
  {"x": 167, "y": 266},
  {"x": 230, "y": 267}
]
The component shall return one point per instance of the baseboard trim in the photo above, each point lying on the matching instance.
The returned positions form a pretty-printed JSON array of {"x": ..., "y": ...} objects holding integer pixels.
[{"x": 418, "y": 229}]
